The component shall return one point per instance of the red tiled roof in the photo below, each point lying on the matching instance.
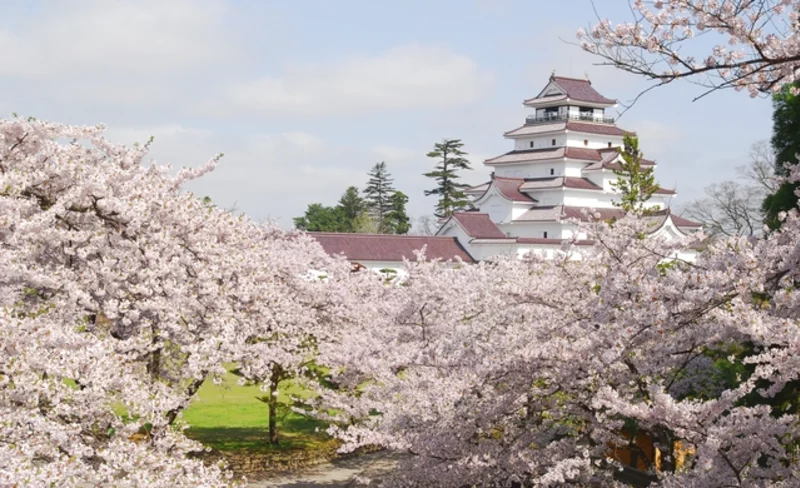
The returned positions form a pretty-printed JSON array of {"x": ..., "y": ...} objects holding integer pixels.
[
  {"x": 612, "y": 166},
  {"x": 584, "y": 127},
  {"x": 664, "y": 191},
  {"x": 556, "y": 213},
  {"x": 589, "y": 128},
  {"x": 478, "y": 225},
  {"x": 545, "y": 154},
  {"x": 558, "y": 182},
  {"x": 388, "y": 247},
  {"x": 575, "y": 89},
  {"x": 509, "y": 188},
  {"x": 582, "y": 153},
  {"x": 584, "y": 214},
  {"x": 479, "y": 189},
  {"x": 582, "y": 90},
  {"x": 682, "y": 222},
  {"x": 609, "y": 157},
  {"x": 679, "y": 221},
  {"x": 580, "y": 183},
  {"x": 527, "y": 130}
]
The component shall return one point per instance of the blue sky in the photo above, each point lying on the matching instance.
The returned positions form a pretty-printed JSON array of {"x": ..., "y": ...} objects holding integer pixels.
[{"x": 304, "y": 97}]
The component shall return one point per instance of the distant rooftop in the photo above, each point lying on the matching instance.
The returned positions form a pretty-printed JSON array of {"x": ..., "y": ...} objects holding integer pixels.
[{"x": 390, "y": 247}]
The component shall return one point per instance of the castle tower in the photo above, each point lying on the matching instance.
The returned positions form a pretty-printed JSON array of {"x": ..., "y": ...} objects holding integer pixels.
[{"x": 561, "y": 168}]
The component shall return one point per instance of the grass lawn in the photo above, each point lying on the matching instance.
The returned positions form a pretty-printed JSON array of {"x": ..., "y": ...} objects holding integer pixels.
[{"x": 229, "y": 417}]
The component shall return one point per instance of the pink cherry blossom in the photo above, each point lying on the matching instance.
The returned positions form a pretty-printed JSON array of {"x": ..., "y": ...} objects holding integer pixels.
[
  {"x": 527, "y": 371},
  {"x": 751, "y": 45}
]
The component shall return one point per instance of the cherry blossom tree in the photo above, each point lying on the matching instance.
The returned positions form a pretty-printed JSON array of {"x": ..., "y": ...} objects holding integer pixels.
[
  {"x": 536, "y": 372},
  {"x": 313, "y": 298},
  {"x": 751, "y": 45},
  {"x": 121, "y": 294}
]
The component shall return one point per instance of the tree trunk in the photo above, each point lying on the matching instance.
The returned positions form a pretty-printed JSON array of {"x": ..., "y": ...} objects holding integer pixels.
[
  {"x": 154, "y": 363},
  {"x": 275, "y": 378},
  {"x": 190, "y": 391}
]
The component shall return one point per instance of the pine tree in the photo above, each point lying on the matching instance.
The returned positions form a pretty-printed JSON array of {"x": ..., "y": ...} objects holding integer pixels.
[
  {"x": 635, "y": 184},
  {"x": 377, "y": 195},
  {"x": 397, "y": 220},
  {"x": 353, "y": 210},
  {"x": 786, "y": 144},
  {"x": 451, "y": 194}
]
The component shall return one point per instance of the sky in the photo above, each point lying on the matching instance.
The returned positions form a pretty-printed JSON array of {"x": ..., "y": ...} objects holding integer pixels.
[{"x": 304, "y": 97}]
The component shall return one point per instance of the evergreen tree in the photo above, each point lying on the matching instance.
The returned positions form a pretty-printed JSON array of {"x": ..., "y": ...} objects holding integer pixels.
[
  {"x": 786, "y": 144},
  {"x": 353, "y": 210},
  {"x": 451, "y": 193},
  {"x": 377, "y": 196},
  {"x": 319, "y": 218},
  {"x": 397, "y": 221},
  {"x": 348, "y": 216},
  {"x": 636, "y": 184}
]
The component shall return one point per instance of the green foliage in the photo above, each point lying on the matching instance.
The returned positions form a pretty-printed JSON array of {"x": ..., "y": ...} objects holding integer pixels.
[
  {"x": 349, "y": 215},
  {"x": 319, "y": 218},
  {"x": 786, "y": 144},
  {"x": 731, "y": 368},
  {"x": 451, "y": 158},
  {"x": 377, "y": 196},
  {"x": 635, "y": 184},
  {"x": 353, "y": 207},
  {"x": 397, "y": 221}
]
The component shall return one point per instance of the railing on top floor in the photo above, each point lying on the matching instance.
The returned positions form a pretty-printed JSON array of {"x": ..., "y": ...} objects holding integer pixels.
[{"x": 542, "y": 119}]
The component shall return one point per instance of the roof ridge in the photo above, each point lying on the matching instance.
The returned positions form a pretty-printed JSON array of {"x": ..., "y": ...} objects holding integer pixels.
[
  {"x": 542, "y": 178},
  {"x": 584, "y": 80}
]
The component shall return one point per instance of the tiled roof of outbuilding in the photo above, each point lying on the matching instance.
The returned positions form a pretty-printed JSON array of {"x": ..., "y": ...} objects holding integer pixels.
[{"x": 390, "y": 247}]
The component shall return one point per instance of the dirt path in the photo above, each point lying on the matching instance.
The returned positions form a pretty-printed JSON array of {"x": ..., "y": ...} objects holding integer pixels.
[{"x": 340, "y": 473}]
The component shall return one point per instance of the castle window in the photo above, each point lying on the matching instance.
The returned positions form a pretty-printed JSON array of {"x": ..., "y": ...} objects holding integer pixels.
[
  {"x": 545, "y": 234},
  {"x": 586, "y": 142},
  {"x": 609, "y": 144},
  {"x": 532, "y": 143},
  {"x": 554, "y": 142},
  {"x": 552, "y": 171}
]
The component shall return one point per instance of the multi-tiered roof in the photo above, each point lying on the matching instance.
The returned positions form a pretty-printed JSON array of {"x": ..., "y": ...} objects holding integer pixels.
[{"x": 562, "y": 168}]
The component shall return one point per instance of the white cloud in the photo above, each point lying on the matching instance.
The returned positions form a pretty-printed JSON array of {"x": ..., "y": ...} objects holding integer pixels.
[
  {"x": 275, "y": 176},
  {"x": 403, "y": 78},
  {"x": 116, "y": 53},
  {"x": 397, "y": 155},
  {"x": 126, "y": 37}
]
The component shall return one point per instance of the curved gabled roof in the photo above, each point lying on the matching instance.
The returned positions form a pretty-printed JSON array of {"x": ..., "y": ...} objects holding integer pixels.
[
  {"x": 545, "y": 154},
  {"x": 609, "y": 157},
  {"x": 478, "y": 225},
  {"x": 510, "y": 188},
  {"x": 532, "y": 184},
  {"x": 684, "y": 222},
  {"x": 585, "y": 127},
  {"x": 576, "y": 89},
  {"x": 556, "y": 213}
]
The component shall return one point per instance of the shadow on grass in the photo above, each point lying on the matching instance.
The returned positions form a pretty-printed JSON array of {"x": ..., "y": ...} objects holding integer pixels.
[{"x": 294, "y": 433}]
